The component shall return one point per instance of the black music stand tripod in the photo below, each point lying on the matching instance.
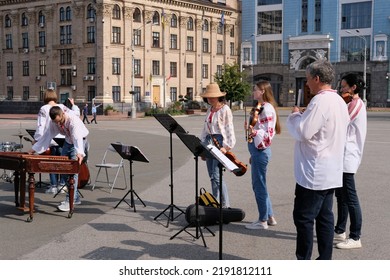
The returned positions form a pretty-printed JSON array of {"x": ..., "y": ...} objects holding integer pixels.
[
  {"x": 224, "y": 162},
  {"x": 194, "y": 144},
  {"x": 173, "y": 127},
  {"x": 131, "y": 153}
]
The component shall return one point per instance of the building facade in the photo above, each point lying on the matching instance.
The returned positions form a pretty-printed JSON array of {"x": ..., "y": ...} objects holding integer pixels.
[
  {"x": 280, "y": 38},
  {"x": 113, "y": 52}
]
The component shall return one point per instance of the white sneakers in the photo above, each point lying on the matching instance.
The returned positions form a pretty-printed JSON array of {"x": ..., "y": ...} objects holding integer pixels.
[
  {"x": 349, "y": 243},
  {"x": 340, "y": 236},
  {"x": 257, "y": 225},
  {"x": 65, "y": 207},
  {"x": 51, "y": 190}
]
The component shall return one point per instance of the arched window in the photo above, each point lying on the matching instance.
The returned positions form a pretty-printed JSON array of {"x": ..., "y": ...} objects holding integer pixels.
[
  {"x": 205, "y": 25},
  {"x": 41, "y": 19},
  {"x": 24, "y": 20},
  {"x": 91, "y": 14},
  {"x": 116, "y": 12},
  {"x": 174, "y": 21},
  {"x": 156, "y": 18},
  {"x": 137, "y": 15},
  {"x": 7, "y": 22},
  {"x": 190, "y": 23},
  {"x": 62, "y": 14},
  {"x": 68, "y": 15}
]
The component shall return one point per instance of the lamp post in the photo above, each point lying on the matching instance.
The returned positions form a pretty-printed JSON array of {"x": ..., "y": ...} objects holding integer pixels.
[
  {"x": 132, "y": 92},
  {"x": 364, "y": 64}
]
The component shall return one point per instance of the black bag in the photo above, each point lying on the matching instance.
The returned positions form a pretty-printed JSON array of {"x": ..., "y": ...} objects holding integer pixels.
[
  {"x": 209, "y": 216},
  {"x": 207, "y": 199}
]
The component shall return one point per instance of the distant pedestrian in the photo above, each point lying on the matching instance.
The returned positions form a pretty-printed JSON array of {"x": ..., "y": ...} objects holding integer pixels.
[
  {"x": 85, "y": 113},
  {"x": 94, "y": 107}
]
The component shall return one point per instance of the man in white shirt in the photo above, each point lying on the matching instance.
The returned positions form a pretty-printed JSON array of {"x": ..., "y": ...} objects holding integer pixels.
[
  {"x": 75, "y": 132},
  {"x": 320, "y": 134}
]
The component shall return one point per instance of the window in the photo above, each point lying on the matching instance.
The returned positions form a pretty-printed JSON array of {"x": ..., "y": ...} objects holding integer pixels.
[
  {"x": 10, "y": 93},
  {"x": 42, "y": 67},
  {"x": 116, "y": 12},
  {"x": 8, "y": 41},
  {"x": 41, "y": 93},
  {"x": 66, "y": 34},
  {"x": 137, "y": 94},
  {"x": 10, "y": 69},
  {"x": 116, "y": 66},
  {"x": 156, "y": 39},
  {"x": 91, "y": 92},
  {"x": 220, "y": 28},
  {"x": 156, "y": 18},
  {"x": 116, "y": 35},
  {"x": 270, "y": 52},
  {"x": 190, "y": 70},
  {"x": 173, "y": 93},
  {"x": 137, "y": 15},
  {"x": 190, "y": 93},
  {"x": 352, "y": 48},
  {"x": 190, "y": 24},
  {"x": 205, "y": 71},
  {"x": 41, "y": 19},
  {"x": 205, "y": 45},
  {"x": 7, "y": 21},
  {"x": 68, "y": 14},
  {"x": 268, "y": 2},
  {"x": 137, "y": 67},
  {"x": 317, "y": 16},
  {"x": 62, "y": 14},
  {"x": 232, "y": 49},
  {"x": 269, "y": 22},
  {"x": 42, "y": 38},
  {"x": 219, "y": 70},
  {"x": 26, "y": 68},
  {"x": 232, "y": 32},
  {"x": 356, "y": 15},
  {"x": 25, "y": 40},
  {"x": 24, "y": 20},
  {"x": 190, "y": 43},
  {"x": 91, "y": 13},
  {"x": 155, "y": 67},
  {"x": 116, "y": 93},
  {"x": 219, "y": 46},
  {"x": 304, "y": 16},
  {"x": 174, "y": 21},
  {"x": 137, "y": 37},
  {"x": 173, "y": 44},
  {"x": 66, "y": 77},
  {"x": 173, "y": 69},
  {"x": 26, "y": 93},
  {"x": 205, "y": 26},
  {"x": 90, "y": 34},
  {"x": 91, "y": 65},
  {"x": 65, "y": 56}
]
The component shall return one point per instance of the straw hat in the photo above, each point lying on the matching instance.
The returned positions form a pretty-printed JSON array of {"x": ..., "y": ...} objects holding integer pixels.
[{"x": 212, "y": 90}]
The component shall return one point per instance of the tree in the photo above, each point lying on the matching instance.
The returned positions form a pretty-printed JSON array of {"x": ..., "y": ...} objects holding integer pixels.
[{"x": 233, "y": 82}]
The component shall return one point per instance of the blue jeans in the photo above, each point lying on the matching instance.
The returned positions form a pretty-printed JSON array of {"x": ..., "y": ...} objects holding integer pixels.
[
  {"x": 310, "y": 206},
  {"x": 259, "y": 163},
  {"x": 69, "y": 151},
  {"x": 348, "y": 203},
  {"x": 214, "y": 174},
  {"x": 55, "y": 151}
]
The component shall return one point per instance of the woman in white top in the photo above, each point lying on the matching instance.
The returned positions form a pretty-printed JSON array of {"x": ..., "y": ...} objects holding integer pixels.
[
  {"x": 347, "y": 198},
  {"x": 218, "y": 130}
]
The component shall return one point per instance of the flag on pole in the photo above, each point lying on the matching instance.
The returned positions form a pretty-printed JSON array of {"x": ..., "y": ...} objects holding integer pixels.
[
  {"x": 163, "y": 18},
  {"x": 222, "y": 21}
]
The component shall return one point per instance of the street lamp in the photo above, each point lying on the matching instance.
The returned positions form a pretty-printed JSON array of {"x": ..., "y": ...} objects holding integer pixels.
[
  {"x": 365, "y": 63},
  {"x": 132, "y": 92}
]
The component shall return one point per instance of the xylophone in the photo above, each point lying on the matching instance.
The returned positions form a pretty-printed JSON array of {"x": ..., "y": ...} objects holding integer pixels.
[{"x": 22, "y": 163}]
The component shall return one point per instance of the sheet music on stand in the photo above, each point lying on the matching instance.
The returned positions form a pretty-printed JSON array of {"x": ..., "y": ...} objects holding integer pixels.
[
  {"x": 130, "y": 152},
  {"x": 60, "y": 139},
  {"x": 227, "y": 163}
]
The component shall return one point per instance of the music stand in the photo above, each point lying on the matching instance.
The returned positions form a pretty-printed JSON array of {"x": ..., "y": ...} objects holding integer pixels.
[
  {"x": 131, "y": 153},
  {"x": 172, "y": 126},
  {"x": 194, "y": 144},
  {"x": 229, "y": 165}
]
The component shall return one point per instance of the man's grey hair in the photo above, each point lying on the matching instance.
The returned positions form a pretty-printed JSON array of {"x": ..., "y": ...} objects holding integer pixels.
[{"x": 323, "y": 69}]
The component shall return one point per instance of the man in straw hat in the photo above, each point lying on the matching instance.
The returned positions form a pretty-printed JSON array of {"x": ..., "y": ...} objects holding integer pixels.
[{"x": 218, "y": 130}]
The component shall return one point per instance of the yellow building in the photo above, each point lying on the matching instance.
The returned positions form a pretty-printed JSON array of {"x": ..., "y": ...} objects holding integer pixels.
[{"x": 88, "y": 49}]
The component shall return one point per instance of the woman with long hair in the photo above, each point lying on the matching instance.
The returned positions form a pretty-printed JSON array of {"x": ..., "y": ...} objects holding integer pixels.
[{"x": 263, "y": 125}]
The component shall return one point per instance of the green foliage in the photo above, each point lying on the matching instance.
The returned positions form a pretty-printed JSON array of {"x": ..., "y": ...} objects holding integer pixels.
[
  {"x": 174, "y": 109},
  {"x": 108, "y": 107},
  {"x": 233, "y": 82}
]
